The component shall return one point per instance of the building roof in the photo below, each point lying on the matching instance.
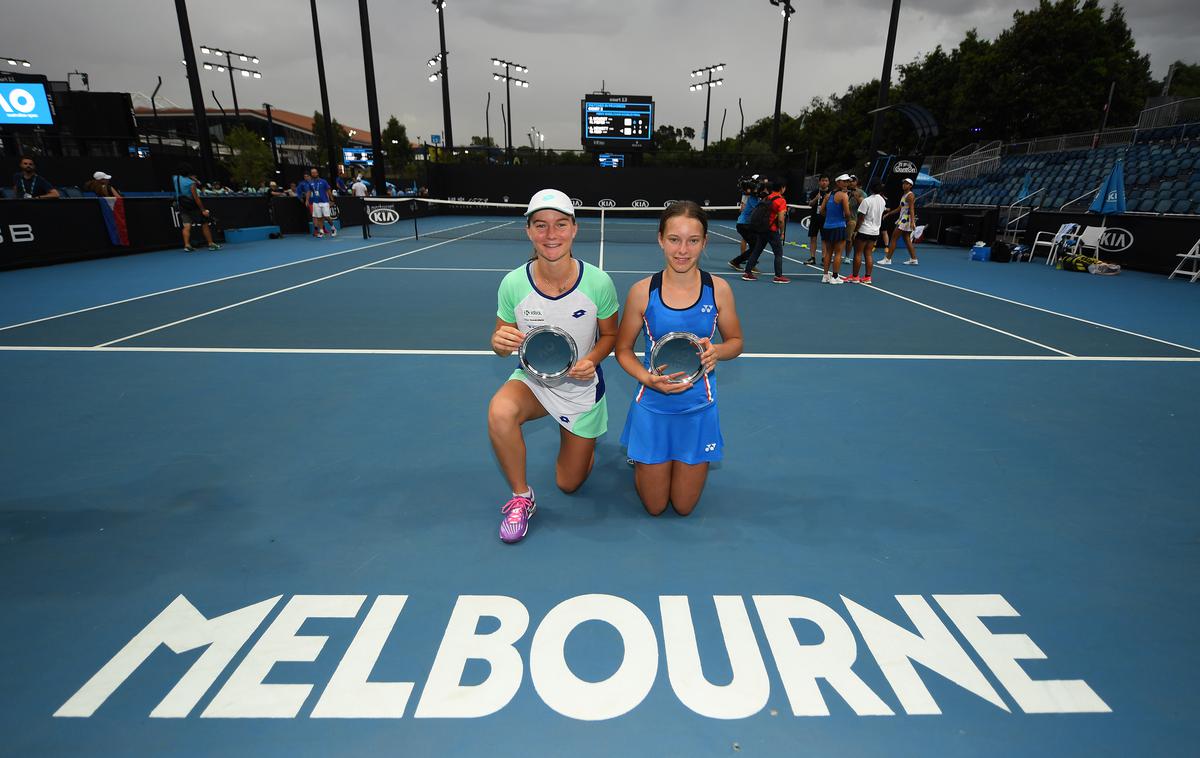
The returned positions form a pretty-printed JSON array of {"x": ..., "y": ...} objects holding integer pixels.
[{"x": 288, "y": 118}]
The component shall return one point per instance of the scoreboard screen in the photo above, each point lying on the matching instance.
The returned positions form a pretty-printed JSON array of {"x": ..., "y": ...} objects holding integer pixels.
[
  {"x": 617, "y": 121},
  {"x": 611, "y": 160}
]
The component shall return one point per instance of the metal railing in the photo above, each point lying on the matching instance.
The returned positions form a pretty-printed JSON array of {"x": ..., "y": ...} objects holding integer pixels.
[
  {"x": 1185, "y": 111},
  {"x": 1012, "y": 226}
]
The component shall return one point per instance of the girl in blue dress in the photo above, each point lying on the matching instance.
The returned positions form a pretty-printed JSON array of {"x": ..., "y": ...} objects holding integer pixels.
[{"x": 672, "y": 432}]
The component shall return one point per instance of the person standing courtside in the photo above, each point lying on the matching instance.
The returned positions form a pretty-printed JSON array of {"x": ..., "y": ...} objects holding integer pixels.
[
  {"x": 191, "y": 209},
  {"x": 774, "y": 236},
  {"x": 906, "y": 224},
  {"x": 817, "y": 219},
  {"x": 856, "y": 196},
  {"x": 318, "y": 198},
  {"x": 751, "y": 197},
  {"x": 870, "y": 219},
  {"x": 833, "y": 233}
]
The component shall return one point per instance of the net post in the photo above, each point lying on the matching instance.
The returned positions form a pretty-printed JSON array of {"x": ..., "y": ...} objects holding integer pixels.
[
  {"x": 366, "y": 220},
  {"x": 416, "y": 232},
  {"x": 603, "y": 215}
]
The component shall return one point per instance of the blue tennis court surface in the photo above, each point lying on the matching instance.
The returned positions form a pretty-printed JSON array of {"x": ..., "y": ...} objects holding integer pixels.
[{"x": 250, "y": 508}]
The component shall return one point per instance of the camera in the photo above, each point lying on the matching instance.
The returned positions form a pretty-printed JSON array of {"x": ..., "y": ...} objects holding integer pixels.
[{"x": 754, "y": 184}]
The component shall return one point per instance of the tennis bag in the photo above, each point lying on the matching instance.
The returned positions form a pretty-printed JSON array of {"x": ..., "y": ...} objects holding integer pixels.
[
  {"x": 1077, "y": 262},
  {"x": 760, "y": 217}
]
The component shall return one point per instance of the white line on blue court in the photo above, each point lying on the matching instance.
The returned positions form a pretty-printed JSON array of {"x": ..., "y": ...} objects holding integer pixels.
[
  {"x": 768, "y": 356},
  {"x": 1038, "y": 308},
  {"x": 296, "y": 286},
  {"x": 506, "y": 270},
  {"x": 953, "y": 315},
  {"x": 216, "y": 281}
]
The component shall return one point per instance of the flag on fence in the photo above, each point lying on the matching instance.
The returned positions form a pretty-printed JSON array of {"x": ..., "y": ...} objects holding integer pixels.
[{"x": 113, "y": 210}]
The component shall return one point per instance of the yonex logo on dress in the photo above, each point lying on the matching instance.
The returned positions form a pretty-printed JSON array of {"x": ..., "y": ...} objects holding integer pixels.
[
  {"x": 706, "y": 309},
  {"x": 578, "y": 314},
  {"x": 710, "y": 447}
]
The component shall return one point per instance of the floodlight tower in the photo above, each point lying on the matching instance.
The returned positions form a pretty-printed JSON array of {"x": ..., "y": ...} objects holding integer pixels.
[
  {"x": 509, "y": 80},
  {"x": 707, "y": 85},
  {"x": 786, "y": 10},
  {"x": 245, "y": 72},
  {"x": 443, "y": 73}
]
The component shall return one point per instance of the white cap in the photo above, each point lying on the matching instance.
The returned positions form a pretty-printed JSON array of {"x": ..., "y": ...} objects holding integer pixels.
[
  {"x": 843, "y": 178},
  {"x": 550, "y": 199},
  {"x": 101, "y": 175},
  {"x": 907, "y": 179}
]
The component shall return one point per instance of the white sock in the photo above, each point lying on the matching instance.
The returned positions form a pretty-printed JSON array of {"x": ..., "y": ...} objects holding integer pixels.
[{"x": 528, "y": 494}]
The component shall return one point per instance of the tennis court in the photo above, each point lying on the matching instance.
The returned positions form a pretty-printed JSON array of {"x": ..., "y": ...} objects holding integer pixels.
[{"x": 250, "y": 508}]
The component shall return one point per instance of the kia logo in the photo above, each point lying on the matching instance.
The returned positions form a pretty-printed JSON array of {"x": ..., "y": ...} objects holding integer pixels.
[
  {"x": 641, "y": 203},
  {"x": 576, "y": 202},
  {"x": 1116, "y": 240},
  {"x": 607, "y": 203},
  {"x": 669, "y": 203},
  {"x": 1112, "y": 196},
  {"x": 383, "y": 216}
]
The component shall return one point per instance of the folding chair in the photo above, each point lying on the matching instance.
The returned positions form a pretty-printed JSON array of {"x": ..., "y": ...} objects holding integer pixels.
[
  {"x": 1189, "y": 264},
  {"x": 1051, "y": 240},
  {"x": 1088, "y": 239}
]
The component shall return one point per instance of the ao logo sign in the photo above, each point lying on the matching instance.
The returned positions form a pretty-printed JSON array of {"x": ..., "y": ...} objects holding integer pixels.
[
  {"x": 607, "y": 203},
  {"x": 24, "y": 104},
  {"x": 383, "y": 216},
  {"x": 1116, "y": 240},
  {"x": 639, "y": 203}
]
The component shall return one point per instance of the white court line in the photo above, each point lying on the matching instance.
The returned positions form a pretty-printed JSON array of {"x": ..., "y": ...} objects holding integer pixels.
[
  {"x": 214, "y": 281},
  {"x": 952, "y": 315},
  {"x": 497, "y": 270},
  {"x": 294, "y": 287},
  {"x": 1037, "y": 308},
  {"x": 769, "y": 356}
]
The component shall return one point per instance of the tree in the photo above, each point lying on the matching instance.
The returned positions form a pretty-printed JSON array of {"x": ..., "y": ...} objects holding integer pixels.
[
  {"x": 396, "y": 145},
  {"x": 251, "y": 161},
  {"x": 341, "y": 138}
]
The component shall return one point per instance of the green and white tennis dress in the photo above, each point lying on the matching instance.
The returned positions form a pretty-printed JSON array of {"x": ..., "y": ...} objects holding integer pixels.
[{"x": 579, "y": 406}]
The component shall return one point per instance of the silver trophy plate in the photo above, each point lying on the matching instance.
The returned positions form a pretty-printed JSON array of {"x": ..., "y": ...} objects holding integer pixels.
[
  {"x": 678, "y": 352},
  {"x": 548, "y": 353}
]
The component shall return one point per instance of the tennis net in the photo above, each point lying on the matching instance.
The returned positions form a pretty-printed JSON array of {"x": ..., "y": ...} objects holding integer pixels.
[{"x": 425, "y": 218}]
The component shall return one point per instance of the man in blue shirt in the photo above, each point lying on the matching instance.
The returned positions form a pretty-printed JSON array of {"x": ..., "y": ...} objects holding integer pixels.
[
  {"x": 317, "y": 195},
  {"x": 28, "y": 185}
]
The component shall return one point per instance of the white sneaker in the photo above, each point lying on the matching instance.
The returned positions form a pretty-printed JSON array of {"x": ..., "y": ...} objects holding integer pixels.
[
  {"x": 825, "y": 278},
  {"x": 910, "y": 262},
  {"x": 847, "y": 259},
  {"x": 333, "y": 231},
  {"x": 836, "y": 280},
  {"x": 883, "y": 262}
]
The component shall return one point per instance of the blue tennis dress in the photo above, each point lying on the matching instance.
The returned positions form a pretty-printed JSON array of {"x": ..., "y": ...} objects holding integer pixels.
[{"x": 683, "y": 426}]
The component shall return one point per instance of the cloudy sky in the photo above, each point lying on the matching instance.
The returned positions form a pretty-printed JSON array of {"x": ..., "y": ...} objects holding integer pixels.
[{"x": 635, "y": 47}]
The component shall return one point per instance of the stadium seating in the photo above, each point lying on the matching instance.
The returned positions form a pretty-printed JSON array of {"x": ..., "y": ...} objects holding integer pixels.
[{"x": 1162, "y": 175}]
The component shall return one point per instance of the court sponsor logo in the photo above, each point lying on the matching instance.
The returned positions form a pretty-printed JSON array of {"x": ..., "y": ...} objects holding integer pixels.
[
  {"x": 383, "y": 216},
  {"x": 1116, "y": 240},
  {"x": 20, "y": 103},
  {"x": 815, "y": 649},
  {"x": 640, "y": 203},
  {"x": 669, "y": 203},
  {"x": 16, "y": 233},
  {"x": 904, "y": 167},
  {"x": 576, "y": 202},
  {"x": 607, "y": 202}
]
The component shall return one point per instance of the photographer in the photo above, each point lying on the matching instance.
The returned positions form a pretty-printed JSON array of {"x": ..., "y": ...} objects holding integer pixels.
[
  {"x": 776, "y": 232},
  {"x": 191, "y": 211},
  {"x": 753, "y": 189}
]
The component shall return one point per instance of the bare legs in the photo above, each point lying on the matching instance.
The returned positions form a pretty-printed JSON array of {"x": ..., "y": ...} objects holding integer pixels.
[
  {"x": 674, "y": 482},
  {"x": 513, "y": 405}
]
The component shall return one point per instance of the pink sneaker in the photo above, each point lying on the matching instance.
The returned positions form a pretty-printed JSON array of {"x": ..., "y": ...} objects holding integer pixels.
[
  {"x": 781, "y": 280},
  {"x": 517, "y": 513},
  {"x": 865, "y": 280},
  {"x": 852, "y": 279}
]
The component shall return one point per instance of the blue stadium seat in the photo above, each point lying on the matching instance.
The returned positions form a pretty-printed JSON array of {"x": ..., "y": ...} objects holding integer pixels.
[
  {"x": 1181, "y": 206},
  {"x": 1162, "y": 206}
]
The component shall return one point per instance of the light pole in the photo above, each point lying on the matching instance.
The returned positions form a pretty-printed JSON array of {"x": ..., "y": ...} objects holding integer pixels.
[
  {"x": 786, "y": 10},
  {"x": 245, "y": 72},
  {"x": 19, "y": 62},
  {"x": 707, "y": 85},
  {"x": 443, "y": 73},
  {"x": 509, "y": 80},
  {"x": 885, "y": 79},
  {"x": 271, "y": 137},
  {"x": 331, "y": 160},
  {"x": 193, "y": 76}
]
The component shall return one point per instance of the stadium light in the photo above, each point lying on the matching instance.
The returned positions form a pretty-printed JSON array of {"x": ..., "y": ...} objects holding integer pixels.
[
  {"x": 786, "y": 10},
  {"x": 509, "y": 80},
  {"x": 245, "y": 72},
  {"x": 440, "y": 61},
  {"x": 707, "y": 85}
]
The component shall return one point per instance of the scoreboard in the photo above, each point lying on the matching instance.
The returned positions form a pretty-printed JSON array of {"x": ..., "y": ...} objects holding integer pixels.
[{"x": 617, "y": 121}]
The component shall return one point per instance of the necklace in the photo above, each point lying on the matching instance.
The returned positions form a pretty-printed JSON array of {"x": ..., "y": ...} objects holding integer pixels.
[{"x": 557, "y": 287}]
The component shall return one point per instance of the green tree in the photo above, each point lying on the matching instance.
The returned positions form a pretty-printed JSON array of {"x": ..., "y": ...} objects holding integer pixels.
[
  {"x": 341, "y": 138},
  {"x": 397, "y": 145},
  {"x": 1186, "y": 80},
  {"x": 251, "y": 161}
]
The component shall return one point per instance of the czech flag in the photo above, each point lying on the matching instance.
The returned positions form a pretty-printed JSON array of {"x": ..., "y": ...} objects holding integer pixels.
[{"x": 113, "y": 210}]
